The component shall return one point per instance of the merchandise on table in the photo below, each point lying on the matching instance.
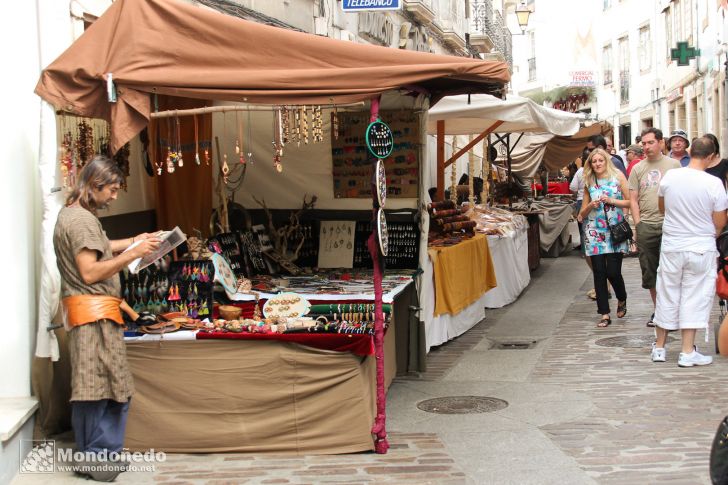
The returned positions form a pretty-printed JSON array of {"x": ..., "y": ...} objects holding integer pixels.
[
  {"x": 448, "y": 225},
  {"x": 495, "y": 221}
]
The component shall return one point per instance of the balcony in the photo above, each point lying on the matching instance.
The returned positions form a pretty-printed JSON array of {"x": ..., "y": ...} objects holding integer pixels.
[
  {"x": 532, "y": 69},
  {"x": 624, "y": 87},
  {"x": 421, "y": 9},
  {"x": 480, "y": 33},
  {"x": 452, "y": 27},
  {"x": 508, "y": 40}
]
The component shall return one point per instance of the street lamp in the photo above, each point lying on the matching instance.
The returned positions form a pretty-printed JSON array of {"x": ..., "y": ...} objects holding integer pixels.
[{"x": 522, "y": 14}]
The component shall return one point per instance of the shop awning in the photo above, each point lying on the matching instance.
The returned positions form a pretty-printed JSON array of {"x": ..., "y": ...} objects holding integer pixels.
[
  {"x": 171, "y": 47},
  {"x": 517, "y": 114}
]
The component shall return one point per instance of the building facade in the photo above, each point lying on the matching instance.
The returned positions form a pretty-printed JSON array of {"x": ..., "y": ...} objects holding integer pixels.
[{"x": 623, "y": 50}]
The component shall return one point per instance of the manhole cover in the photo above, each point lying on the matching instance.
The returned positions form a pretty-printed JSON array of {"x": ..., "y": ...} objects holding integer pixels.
[
  {"x": 462, "y": 405},
  {"x": 514, "y": 345},
  {"x": 629, "y": 341}
]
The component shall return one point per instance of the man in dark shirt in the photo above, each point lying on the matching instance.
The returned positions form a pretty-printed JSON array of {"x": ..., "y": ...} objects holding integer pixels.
[{"x": 598, "y": 141}]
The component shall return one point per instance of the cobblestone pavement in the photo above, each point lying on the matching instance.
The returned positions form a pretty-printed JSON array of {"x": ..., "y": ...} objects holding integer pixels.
[{"x": 651, "y": 422}]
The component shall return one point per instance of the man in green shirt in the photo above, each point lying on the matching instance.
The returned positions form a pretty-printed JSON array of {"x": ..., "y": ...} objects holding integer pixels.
[{"x": 644, "y": 181}]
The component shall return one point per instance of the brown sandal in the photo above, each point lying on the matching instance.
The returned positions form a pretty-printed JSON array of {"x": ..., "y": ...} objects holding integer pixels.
[
  {"x": 621, "y": 309},
  {"x": 604, "y": 322}
]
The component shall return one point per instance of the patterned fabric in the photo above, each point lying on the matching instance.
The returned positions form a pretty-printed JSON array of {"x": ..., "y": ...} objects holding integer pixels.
[
  {"x": 98, "y": 353},
  {"x": 98, "y": 360},
  {"x": 596, "y": 233}
]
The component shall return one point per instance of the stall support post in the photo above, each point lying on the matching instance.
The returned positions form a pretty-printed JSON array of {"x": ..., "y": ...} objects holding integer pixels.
[
  {"x": 440, "y": 160},
  {"x": 381, "y": 445}
]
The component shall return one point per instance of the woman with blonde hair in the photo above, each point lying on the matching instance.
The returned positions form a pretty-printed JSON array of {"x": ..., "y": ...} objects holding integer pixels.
[{"x": 606, "y": 193}]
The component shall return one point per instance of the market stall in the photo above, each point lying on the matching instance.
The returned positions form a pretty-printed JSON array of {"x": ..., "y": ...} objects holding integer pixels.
[
  {"x": 482, "y": 117},
  {"x": 95, "y": 79}
]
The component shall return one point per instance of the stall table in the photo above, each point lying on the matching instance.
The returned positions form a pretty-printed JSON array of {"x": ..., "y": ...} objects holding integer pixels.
[
  {"x": 269, "y": 396},
  {"x": 510, "y": 254},
  {"x": 455, "y": 281}
]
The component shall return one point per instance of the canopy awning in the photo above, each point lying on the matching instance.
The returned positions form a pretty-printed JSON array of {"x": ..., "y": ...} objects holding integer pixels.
[
  {"x": 171, "y": 47},
  {"x": 517, "y": 115}
]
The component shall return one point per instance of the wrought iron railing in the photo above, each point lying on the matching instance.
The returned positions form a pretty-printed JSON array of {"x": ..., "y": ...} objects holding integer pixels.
[
  {"x": 508, "y": 38},
  {"x": 482, "y": 12}
]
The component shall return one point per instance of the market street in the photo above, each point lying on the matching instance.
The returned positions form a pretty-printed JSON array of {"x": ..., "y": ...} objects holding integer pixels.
[{"x": 577, "y": 412}]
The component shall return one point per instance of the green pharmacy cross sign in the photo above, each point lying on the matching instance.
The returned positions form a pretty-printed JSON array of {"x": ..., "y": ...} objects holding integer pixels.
[{"x": 683, "y": 53}]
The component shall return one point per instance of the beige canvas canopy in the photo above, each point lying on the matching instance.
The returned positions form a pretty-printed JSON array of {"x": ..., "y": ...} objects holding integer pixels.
[{"x": 170, "y": 47}]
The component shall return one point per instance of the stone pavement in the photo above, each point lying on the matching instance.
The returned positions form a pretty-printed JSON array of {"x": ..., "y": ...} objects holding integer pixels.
[{"x": 578, "y": 412}]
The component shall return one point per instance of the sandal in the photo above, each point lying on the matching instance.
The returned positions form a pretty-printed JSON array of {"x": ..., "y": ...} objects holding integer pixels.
[
  {"x": 604, "y": 322},
  {"x": 621, "y": 309}
]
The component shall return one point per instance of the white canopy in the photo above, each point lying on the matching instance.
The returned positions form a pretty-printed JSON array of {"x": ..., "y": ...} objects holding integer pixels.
[{"x": 518, "y": 115}]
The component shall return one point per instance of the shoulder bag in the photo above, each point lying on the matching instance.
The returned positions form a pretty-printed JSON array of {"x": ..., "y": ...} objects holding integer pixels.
[
  {"x": 719, "y": 455},
  {"x": 620, "y": 232}
]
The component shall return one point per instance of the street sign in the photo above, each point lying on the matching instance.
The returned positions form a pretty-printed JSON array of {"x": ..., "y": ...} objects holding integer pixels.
[
  {"x": 364, "y": 5},
  {"x": 682, "y": 54}
]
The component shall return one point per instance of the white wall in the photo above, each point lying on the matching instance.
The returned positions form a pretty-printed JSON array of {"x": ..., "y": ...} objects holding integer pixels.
[{"x": 19, "y": 197}]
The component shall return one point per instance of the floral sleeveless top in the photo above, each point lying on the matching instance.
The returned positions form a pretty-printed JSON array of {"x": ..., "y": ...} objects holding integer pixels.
[{"x": 596, "y": 232}]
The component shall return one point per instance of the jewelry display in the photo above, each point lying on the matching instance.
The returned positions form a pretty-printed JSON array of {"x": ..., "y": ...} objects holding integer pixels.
[
  {"x": 191, "y": 287},
  {"x": 197, "y": 142},
  {"x": 171, "y": 155},
  {"x": 240, "y": 130},
  {"x": 403, "y": 252},
  {"x": 84, "y": 143},
  {"x": 297, "y": 126},
  {"x": 318, "y": 125},
  {"x": 277, "y": 140},
  {"x": 250, "y": 139},
  {"x": 180, "y": 160},
  {"x": 285, "y": 121},
  {"x": 335, "y": 123},
  {"x": 351, "y": 159},
  {"x": 380, "y": 139}
]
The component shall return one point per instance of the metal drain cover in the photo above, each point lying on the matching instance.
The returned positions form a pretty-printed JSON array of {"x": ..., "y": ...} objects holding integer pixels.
[
  {"x": 462, "y": 405},
  {"x": 629, "y": 341},
  {"x": 515, "y": 345}
]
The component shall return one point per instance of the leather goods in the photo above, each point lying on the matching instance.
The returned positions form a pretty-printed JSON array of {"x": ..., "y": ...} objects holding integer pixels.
[
  {"x": 719, "y": 455},
  {"x": 84, "y": 309},
  {"x": 619, "y": 232}
]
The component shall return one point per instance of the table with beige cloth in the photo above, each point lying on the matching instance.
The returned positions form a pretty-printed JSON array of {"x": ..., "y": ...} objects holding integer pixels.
[{"x": 212, "y": 396}]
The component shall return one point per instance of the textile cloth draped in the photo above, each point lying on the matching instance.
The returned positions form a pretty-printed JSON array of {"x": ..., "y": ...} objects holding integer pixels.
[
  {"x": 462, "y": 273},
  {"x": 171, "y": 47}
]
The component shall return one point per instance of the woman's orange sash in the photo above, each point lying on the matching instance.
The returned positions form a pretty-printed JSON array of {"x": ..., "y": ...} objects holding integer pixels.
[{"x": 83, "y": 309}]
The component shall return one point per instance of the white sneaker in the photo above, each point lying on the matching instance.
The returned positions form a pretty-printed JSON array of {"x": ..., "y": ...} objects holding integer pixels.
[
  {"x": 693, "y": 358},
  {"x": 658, "y": 354}
]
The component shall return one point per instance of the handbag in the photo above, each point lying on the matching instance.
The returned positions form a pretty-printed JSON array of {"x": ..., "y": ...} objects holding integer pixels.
[
  {"x": 620, "y": 232},
  {"x": 719, "y": 455}
]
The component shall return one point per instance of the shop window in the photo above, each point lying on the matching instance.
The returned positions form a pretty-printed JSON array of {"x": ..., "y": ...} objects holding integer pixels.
[{"x": 668, "y": 31}]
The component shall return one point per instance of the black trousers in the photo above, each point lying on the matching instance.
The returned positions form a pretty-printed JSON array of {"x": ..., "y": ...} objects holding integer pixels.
[{"x": 608, "y": 267}]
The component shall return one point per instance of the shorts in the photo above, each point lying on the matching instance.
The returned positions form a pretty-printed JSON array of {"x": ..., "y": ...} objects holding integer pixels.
[
  {"x": 685, "y": 289},
  {"x": 649, "y": 240}
]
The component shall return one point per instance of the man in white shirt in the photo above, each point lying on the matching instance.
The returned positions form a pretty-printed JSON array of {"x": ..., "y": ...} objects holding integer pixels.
[{"x": 694, "y": 204}]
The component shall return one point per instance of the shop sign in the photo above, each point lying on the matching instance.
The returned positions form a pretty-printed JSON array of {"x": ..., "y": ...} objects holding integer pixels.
[
  {"x": 414, "y": 37},
  {"x": 674, "y": 94},
  {"x": 364, "y": 5},
  {"x": 582, "y": 78},
  {"x": 377, "y": 27}
]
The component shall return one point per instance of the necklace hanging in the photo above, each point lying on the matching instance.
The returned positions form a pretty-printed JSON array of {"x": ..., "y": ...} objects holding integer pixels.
[
  {"x": 66, "y": 153},
  {"x": 285, "y": 121},
  {"x": 225, "y": 167},
  {"x": 171, "y": 156},
  {"x": 250, "y": 139},
  {"x": 239, "y": 148},
  {"x": 155, "y": 131},
  {"x": 197, "y": 142},
  {"x": 180, "y": 160},
  {"x": 297, "y": 126},
  {"x": 335, "y": 123},
  {"x": 277, "y": 141},
  {"x": 237, "y": 140}
]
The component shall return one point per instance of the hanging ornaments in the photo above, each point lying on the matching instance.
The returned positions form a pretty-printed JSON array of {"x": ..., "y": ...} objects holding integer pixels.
[
  {"x": 286, "y": 120},
  {"x": 277, "y": 140},
  {"x": 317, "y": 125},
  {"x": 335, "y": 123},
  {"x": 84, "y": 143},
  {"x": 197, "y": 142},
  {"x": 379, "y": 139},
  {"x": 180, "y": 159},
  {"x": 239, "y": 142},
  {"x": 304, "y": 124},
  {"x": 297, "y": 126},
  {"x": 66, "y": 158}
]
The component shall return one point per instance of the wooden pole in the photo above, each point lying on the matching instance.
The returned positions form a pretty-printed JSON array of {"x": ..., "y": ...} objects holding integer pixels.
[
  {"x": 231, "y": 107},
  {"x": 440, "y": 160},
  {"x": 472, "y": 143}
]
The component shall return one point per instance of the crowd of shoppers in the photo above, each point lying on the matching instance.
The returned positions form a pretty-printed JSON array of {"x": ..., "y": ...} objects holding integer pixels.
[{"x": 675, "y": 191}]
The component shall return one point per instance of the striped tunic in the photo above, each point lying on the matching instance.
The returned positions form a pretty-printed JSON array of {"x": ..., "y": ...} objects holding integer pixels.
[{"x": 98, "y": 353}]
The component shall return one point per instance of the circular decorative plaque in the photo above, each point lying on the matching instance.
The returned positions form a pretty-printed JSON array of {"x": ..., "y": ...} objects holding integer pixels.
[
  {"x": 380, "y": 139},
  {"x": 380, "y": 181},
  {"x": 382, "y": 232}
]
